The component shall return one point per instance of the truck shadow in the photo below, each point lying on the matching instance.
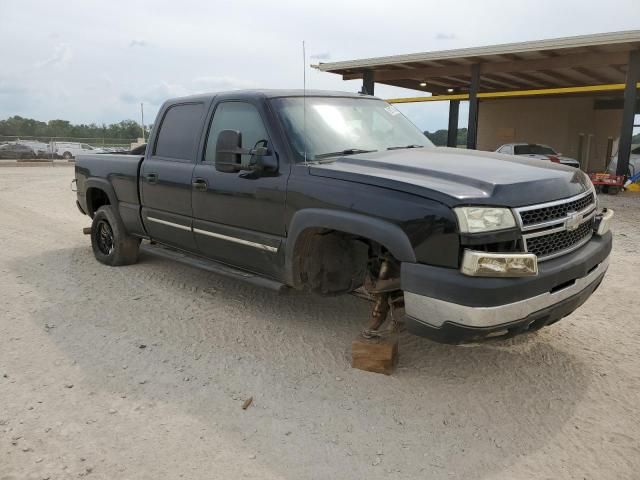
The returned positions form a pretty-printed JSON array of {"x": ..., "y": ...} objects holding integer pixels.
[{"x": 473, "y": 410}]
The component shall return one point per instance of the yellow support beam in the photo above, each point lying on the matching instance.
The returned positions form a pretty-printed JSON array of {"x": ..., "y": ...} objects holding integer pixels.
[{"x": 515, "y": 93}]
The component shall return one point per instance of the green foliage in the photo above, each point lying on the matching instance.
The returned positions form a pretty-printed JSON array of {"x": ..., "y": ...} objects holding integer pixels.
[
  {"x": 439, "y": 137},
  {"x": 17, "y": 126}
]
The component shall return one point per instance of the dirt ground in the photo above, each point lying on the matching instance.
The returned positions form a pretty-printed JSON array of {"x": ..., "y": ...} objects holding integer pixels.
[{"x": 140, "y": 372}]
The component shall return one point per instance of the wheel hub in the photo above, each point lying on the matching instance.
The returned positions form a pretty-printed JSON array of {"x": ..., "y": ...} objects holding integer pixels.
[{"x": 104, "y": 237}]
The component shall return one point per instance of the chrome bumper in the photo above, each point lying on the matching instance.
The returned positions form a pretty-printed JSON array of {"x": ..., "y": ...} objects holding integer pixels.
[{"x": 435, "y": 312}]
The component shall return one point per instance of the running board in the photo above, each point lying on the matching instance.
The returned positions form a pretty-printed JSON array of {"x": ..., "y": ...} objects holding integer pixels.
[{"x": 213, "y": 266}]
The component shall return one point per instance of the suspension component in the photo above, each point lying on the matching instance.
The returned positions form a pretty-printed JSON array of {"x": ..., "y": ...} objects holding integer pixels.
[{"x": 381, "y": 304}]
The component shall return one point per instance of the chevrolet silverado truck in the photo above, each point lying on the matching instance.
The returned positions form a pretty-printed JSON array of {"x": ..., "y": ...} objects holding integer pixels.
[{"x": 334, "y": 192}]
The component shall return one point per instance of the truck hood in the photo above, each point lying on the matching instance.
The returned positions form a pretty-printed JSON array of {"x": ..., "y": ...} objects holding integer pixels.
[{"x": 458, "y": 177}]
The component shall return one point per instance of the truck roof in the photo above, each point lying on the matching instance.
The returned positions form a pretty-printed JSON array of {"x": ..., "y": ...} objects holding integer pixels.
[{"x": 267, "y": 93}]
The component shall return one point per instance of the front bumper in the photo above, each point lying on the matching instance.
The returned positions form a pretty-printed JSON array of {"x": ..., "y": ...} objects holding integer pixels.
[{"x": 447, "y": 306}]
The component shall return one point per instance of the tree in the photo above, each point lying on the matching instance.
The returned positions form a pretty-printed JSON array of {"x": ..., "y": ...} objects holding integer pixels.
[
  {"x": 17, "y": 126},
  {"x": 439, "y": 137}
]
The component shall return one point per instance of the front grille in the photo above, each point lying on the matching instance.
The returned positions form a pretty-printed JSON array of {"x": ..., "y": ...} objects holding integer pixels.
[
  {"x": 554, "y": 212},
  {"x": 547, "y": 245},
  {"x": 549, "y": 229}
]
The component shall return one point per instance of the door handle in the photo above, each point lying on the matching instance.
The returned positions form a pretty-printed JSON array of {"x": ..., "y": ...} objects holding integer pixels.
[
  {"x": 199, "y": 184},
  {"x": 151, "y": 177}
]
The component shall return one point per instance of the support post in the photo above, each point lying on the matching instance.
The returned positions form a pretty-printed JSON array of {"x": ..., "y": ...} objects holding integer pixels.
[
  {"x": 452, "y": 130},
  {"x": 367, "y": 83},
  {"x": 609, "y": 154},
  {"x": 628, "y": 112},
  {"x": 472, "y": 128}
]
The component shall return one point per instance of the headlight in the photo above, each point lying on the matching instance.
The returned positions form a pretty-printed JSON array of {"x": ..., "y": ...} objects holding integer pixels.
[
  {"x": 484, "y": 219},
  {"x": 484, "y": 264}
]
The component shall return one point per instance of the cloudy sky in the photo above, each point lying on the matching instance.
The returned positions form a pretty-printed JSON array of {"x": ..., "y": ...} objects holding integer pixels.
[{"x": 95, "y": 61}]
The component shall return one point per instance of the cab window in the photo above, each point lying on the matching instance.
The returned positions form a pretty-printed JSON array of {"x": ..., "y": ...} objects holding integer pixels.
[
  {"x": 240, "y": 116},
  {"x": 179, "y": 132}
]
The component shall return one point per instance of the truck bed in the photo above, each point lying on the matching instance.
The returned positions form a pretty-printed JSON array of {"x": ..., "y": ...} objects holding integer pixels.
[
  {"x": 116, "y": 174},
  {"x": 108, "y": 165}
]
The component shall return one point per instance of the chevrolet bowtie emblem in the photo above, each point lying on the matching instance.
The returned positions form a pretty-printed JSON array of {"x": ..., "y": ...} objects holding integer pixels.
[{"x": 573, "y": 221}]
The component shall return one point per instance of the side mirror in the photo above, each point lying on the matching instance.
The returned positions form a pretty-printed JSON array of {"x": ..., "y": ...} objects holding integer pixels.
[{"x": 228, "y": 151}]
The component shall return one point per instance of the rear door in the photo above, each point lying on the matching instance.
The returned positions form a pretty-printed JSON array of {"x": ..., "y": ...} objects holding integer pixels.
[
  {"x": 239, "y": 216},
  {"x": 166, "y": 173}
]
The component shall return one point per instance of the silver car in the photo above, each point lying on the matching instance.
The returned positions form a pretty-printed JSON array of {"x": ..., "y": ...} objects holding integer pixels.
[{"x": 537, "y": 151}]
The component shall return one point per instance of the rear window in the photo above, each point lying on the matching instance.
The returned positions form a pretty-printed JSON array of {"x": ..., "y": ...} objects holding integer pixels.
[
  {"x": 533, "y": 150},
  {"x": 179, "y": 132}
]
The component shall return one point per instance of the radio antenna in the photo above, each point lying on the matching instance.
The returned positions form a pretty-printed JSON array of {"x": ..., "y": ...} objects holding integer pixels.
[{"x": 304, "y": 101}]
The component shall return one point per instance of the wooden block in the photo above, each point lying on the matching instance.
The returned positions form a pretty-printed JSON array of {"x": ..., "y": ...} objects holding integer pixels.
[{"x": 378, "y": 355}]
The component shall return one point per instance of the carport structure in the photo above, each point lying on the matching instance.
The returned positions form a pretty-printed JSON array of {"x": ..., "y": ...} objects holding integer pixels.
[{"x": 605, "y": 67}]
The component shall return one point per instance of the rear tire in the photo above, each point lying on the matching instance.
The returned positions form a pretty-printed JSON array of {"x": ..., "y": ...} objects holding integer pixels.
[
  {"x": 110, "y": 242},
  {"x": 67, "y": 156}
]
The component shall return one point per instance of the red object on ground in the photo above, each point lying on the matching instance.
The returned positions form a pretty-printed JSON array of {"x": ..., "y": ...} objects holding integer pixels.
[{"x": 607, "y": 179}]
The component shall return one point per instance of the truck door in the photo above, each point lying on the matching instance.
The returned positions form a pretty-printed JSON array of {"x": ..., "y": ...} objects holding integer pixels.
[
  {"x": 239, "y": 216},
  {"x": 165, "y": 177}
]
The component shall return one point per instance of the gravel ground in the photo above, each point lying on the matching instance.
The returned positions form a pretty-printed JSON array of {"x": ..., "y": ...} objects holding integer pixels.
[{"x": 140, "y": 372}]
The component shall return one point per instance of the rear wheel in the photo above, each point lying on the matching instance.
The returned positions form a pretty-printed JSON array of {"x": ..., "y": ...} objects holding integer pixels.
[
  {"x": 109, "y": 240},
  {"x": 67, "y": 155}
]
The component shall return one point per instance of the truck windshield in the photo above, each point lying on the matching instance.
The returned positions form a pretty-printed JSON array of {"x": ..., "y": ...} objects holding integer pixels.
[{"x": 337, "y": 126}]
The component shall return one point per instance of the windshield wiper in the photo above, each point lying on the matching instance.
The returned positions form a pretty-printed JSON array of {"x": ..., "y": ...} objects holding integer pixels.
[
  {"x": 349, "y": 151},
  {"x": 405, "y": 146}
]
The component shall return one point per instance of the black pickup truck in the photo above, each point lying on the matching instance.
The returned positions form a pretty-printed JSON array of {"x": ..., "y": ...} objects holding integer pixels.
[{"x": 333, "y": 192}]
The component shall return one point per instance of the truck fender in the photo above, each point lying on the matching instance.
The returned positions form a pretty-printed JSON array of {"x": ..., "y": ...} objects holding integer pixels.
[
  {"x": 385, "y": 233},
  {"x": 103, "y": 185}
]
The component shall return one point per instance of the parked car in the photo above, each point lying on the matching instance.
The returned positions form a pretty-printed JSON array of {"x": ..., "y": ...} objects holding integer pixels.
[
  {"x": 331, "y": 192},
  {"x": 69, "y": 150},
  {"x": 110, "y": 150},
  {"x": 40, "y": 149},
  {"x": 139, "y": 150},
  {"x": 16, "y": 151},
  {"x": 538, "y": 151}
]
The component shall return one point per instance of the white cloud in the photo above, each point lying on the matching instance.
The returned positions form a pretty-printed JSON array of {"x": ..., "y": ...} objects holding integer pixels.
[
  {"x": 216, "y": 84},
  {"x": 320, "y": 56},
  {"x": 137, "y": 43},
  {"x": 155, "y": 94},
  {"x": 445, "y": 36},
  {"x": 61, "y": 56}
]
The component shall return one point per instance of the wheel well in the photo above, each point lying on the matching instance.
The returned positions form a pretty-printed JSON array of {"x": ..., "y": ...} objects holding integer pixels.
[
  {"x": 96, "y": 198},
  {"x": 331, "y": 262}
]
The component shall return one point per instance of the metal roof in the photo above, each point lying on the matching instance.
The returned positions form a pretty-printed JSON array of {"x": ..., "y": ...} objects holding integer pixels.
[{"x": 561, "y": 62}]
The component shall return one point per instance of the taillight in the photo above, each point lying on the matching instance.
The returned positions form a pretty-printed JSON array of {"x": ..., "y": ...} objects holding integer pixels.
[{"x": 554, "y": 159}]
